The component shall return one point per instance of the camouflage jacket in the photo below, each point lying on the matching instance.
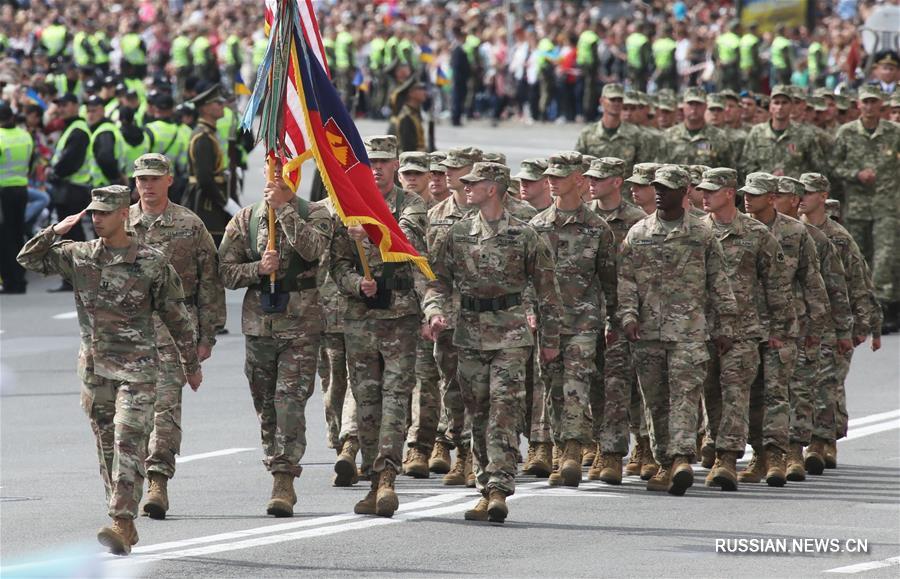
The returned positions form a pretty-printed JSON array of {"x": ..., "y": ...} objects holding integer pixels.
[
  {"x": 307, "y": 238},
  {"x": 481, "y": 263},
  {"x": 183, "y": 238},
  {"x": 795, "y": 152},
  {"x": 333, "y": 302},
  {"x": 584, "y": 249},
  {"x": 801, "y": 267},
  {"x": 835, "y": 278},
  {"x": 619, "y": 219},
  {"x": 347, "y": 270},
  {"x": 668, "y": 281},
  {"x": 854, "y": 150},
  {"x": 116, "y": 296},
  {"x": 440, "y": 219},
  {"x": 753, "y": 261},
  {"x": 708, "y": 146},
  {"x": 627, "y": 143},
  {"x": 519, "y": 209}
]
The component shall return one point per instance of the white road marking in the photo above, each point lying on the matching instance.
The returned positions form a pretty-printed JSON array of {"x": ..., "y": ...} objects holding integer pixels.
[
  {"x": 66, "y": 316},
  {"x": 874, "y": 418},
  {"x": 213, "y": 454},
  {"x": 854, "y": 433},
  {"x": 870, "y": 566}
]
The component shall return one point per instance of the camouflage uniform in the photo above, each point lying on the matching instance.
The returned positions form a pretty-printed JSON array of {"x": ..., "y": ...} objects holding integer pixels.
[
  {"x": 381, "y": 342},
  {"x": 584, "y": 250},
  {"x": 652, "y": 148},
  {"x": 183, "y": 238},
  {"x": 668, "y": 280},
  {"x": 281, "y": 348},
  {"x": 491, "y": 269},
  {"x": 615, "y": 400},
  {"x": 625, "y": 142},
  {"x": 753, "y": 261},
  {"x": 872, "y": 212},
  {"x": 117, "y": 293},
  {"x": 708, "y": 146}
]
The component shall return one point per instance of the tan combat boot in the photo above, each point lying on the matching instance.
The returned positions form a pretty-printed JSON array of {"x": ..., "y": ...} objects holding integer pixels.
[
  {"x": 725, "y": 470},
  {"x": 755, "y": 469},
  {"x": 795, "y": 471},
  {"x": 610, "y": 468},
  {"x": 709, "y": 480},
  {"x": 633, "y": 466},
  {"x": 119, "y": 537},
  {"x": 157, "y": 496},
  {"x": 661, "y": 481},
  {"x": 439, "y": 463},
  {"x": 416, "y": 464},
  {"x": 479, "y": 512},
  {"x": 588, "y": 454},
  {"x": 345, "y": 466},
  {"x": 367, "y": 505},
  {"x": 529, "y": 458},
  {"x": 815, "y": 456},
  {"x": 283, "y": 497},
  {"x": 707, "y": 455},
  {"x": 776, "y": 460},
  {"x": 497, "y": 509},
  {"x": 386, "y": 502},
  {"x": 648, "y": 463},
  {"x": 470, "y": 470},
  {"x": 542, "y": 463},
  {"x": 457, "y": 474},
  {"x": 570, "y": 464},
  {"x": 831, "y": 454},
  {"x": 682, "y": 475}
]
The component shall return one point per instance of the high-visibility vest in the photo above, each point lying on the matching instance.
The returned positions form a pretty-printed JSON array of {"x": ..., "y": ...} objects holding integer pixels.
[
  {"x": 405, "y": 50},
  {"x": 814, "y": 57},
  {"x": 130, "y": 153},
  {"x": 633, "y": 46},
  {"x": 544, "y": 48},
  {"x": 259, "y": 51},
  {"x": 727, "y": 47},
  {"x": 132, "y": 51},
  {"x": 83, "y": 175},
  {"x": 225, "y": 128},
  {"x": 663, "y": 53},
  {"x": 184, "y": 140},
  {"x": 748, "y": 43},
  {"x": 4, "y": 42},
  {"x": 181, "y": 51},
  {"x": 343, "y": 47},
  {"x": 165, "y": 138},
  {"x": 80, "y": 53},
  {"x": 586, "y": 49},
  {"x": 54, "y": 39},
  {"x": 389, "y": 48},
  {"x": 61, "y": 84},
  {"x": 200, "y": 51},
  {"x": 229, "y": 57},
  {"x": 98, "y": 179},
  {"x": 16, "y": 148},
  {"x": 376, "y": 53},
  {"x": 779, "y": 45},
  {"x": 137, "y": 85},
  {"x": 100, "y": 45}
]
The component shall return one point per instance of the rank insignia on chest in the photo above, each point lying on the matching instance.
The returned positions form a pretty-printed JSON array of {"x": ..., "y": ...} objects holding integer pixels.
[
  {"x": 644, "y": 242},
  {"x": 703, "y": 146}
]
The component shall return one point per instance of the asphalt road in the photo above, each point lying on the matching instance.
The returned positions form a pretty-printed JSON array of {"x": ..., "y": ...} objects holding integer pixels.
[{"x": 52, "y": 503}]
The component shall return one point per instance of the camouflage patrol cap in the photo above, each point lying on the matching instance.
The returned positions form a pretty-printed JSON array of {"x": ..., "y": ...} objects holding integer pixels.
[
  {"x": 789, "y": 186},
  {"x": 613, "y": 90},
  {"x": 153, "y": 164},
  {"x": 843, "y": 103},
  {"x": 109, "y": 198},
  {"x": 435, "y": 159},
  {"x": 797, "y": 93},
  {"x": 586, "y": 161},
  {"x": 780, "y": 90},
  {"x": 671, "y": 176},
  {"x": 488, "y": 171},
  {"x": 895, "y": 100},
  {"x": 645, "y": 99},
  {"x": 833, "y": 208},
  {"x": 605, "y": 168},
  {"x": 494, "y": 157},
  {"x": 817, "y": 103},
  {"x": 760, "y": 184},
  {"x": 694, "y": 94},
  {"x": 667, "y": 93},
  {"x": 815, "y": 182},
  {"x": 696, "y": 172},
  {"x": 414, "y": 161},
  {"x": 632, "y": 97},
  {"x": 715, "y": 101},
  {"x": 870, "y": 91},
  {"x": 823, "y": 93},
  {"x": 564, "y": 164},
  {"x": 513, "y": 187},
  {"x": 729, "y": 94},
  {"x": 642, "y": 173},
  {"x": 718, "y": 178},
  {"x": 532, "y": 169},
  {"x": 666, "y": 102},
  {"x": 381, "y": 147},
  {"x": 462, "y": 157}
]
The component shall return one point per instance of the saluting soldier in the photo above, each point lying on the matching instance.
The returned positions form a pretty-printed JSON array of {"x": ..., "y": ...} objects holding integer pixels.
[{"x": 207, "y": 190}]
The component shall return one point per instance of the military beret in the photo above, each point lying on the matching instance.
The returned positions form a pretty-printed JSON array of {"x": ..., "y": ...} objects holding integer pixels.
[
  {"x": 414, "y": 161},
  {"x": 760, "y": 184},
  {"x": 151, "y": 164},
  {"x": 462, "y": 157},
  {"x": 606, "y": 167},
  {"x": 564, "y": 164},
  {"x": 642, "y": 173},
  {"x": 487, "y": 171},
  {"x": 671, "y": 176},
  {"x": 381, "y": 147},
  {"x": 718, "y": 178},
  {"x": 815, "y": 182},
  {"x": 532, "y": 169},
  {"x": 790, "y": 186},
  {"x": 109, "y": 198}
]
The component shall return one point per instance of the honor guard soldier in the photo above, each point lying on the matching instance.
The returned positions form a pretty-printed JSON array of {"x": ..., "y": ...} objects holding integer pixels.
[{"x": 207, "y": 190}]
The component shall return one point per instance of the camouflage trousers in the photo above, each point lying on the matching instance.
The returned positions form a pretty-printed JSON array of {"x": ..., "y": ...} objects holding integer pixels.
[
  {"x": 878, "y": 242},
  {"x": 381, "y": 363},
  {"x": 492, "y": 384},
  {"x": 567, "y": 382},
  {"x": 425, "y": 407},
  {"x": 165, "y": 439},
  {"x": 536, "y": 425},
  {"x": 670, "y": 376},
  {"x": 726, "y": 395},
  {"x": 770, "y": 412},
  {"x": 121, "y": 415},
  {"x": 455, "y": 426},
  {"x": 282, "y": 374},
  {"x": 825, "y": 396},
  {"x": 804, "y": 384},
  {"x": 340, "y": 408},
  {"x": 611, "y": 396},
  {"x": 841, "y": 418}
]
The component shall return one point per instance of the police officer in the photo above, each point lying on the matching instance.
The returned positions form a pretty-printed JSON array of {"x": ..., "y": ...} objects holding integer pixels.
[
  {"x": 16, "y": 160},
  {"x": 206, "y": 193},
  {"x": 106, "y": 146},
  {"x": 70, "y": 167}
]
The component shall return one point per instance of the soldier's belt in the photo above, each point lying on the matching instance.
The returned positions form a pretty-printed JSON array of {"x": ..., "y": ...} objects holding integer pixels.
[
  {"x": 474, "y": 304},
  {"x": 287, "y": 285}
]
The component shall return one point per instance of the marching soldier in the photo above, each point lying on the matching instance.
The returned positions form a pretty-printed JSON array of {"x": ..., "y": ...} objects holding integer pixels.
[
  {"x": 694, "y": 142},
  {"x": 610, "y": 136}
]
